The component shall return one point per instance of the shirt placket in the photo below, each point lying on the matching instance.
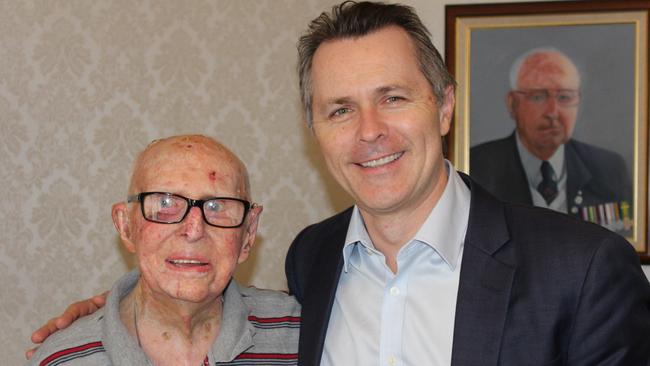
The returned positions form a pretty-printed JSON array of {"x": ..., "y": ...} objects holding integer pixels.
[{"x": 392, "y": 319}]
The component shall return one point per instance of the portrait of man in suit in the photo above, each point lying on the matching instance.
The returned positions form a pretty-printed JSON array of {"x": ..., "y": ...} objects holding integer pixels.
[{"x": 540, "y": 163}]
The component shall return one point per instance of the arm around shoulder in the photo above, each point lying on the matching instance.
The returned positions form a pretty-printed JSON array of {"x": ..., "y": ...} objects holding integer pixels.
[{"x": 71, "y": 313}]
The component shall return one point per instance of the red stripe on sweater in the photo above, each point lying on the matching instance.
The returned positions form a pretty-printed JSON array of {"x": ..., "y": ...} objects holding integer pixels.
[
  {"x": 270, "y": 356},
  {"x": 274, "y": 320},
  {"x": 69, "y": 351}
]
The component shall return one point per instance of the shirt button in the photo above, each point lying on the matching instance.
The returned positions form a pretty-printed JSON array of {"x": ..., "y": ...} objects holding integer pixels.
[{"x": 394, "y": 291}]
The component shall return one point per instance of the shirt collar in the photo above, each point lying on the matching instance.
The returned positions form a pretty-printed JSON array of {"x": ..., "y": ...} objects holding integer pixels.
[
  {"x": 236, "y": 332},
  {"x": 443, "y": 230},
  {"x": 532, "y": 163}
]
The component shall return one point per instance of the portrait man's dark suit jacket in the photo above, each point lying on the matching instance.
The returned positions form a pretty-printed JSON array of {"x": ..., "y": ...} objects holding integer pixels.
[
  {"x": 594, "y": 175},
  {"x": 536, "y": 288}
]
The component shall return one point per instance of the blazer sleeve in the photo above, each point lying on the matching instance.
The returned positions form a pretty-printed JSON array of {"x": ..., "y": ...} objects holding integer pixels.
[
  {"x": 316, "y": 244},
  {"x": 612, "y": 320}
]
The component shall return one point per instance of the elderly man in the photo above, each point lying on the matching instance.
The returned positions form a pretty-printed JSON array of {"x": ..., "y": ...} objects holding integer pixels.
[
  {"x": 540, "y": 163},
  {"x": 189, "y": 221},
  {"x": 428, "y": 268}
]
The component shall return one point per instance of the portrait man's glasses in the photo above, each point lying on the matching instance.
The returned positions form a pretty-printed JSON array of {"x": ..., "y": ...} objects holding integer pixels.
[
  {"x": 563, "y": 97},
  {"x": 170, "y": 208}
]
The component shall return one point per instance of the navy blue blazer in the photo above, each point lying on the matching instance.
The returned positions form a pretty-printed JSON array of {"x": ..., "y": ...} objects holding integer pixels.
[
  {"x": 536, "y": 288},
  {"x": 594, "y": 175}
]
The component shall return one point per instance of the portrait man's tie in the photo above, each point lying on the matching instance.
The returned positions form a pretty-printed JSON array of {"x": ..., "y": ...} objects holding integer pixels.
[{"x": 548, "y": 187}]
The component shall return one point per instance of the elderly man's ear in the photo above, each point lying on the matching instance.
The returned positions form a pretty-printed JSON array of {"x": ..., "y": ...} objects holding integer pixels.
[
  {"x": 511, "y": 104},
  {"x": 120, "y": 214},
  {"x": 252, "y": 220}
]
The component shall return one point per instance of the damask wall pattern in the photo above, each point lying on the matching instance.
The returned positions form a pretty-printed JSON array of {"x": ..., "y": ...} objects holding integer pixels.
[{"x": 85, "y": 85}]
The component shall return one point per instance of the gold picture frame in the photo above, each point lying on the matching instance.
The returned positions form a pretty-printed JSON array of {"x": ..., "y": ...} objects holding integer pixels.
[{"x": 609, "y": 39}]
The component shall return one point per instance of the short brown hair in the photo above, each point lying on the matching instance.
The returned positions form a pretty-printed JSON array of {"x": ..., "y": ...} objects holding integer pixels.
[{"x": 352, "y": 19}]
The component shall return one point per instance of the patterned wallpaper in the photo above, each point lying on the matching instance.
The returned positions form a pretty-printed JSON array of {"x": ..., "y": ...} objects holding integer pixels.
[{"x": 85, "y": 85}]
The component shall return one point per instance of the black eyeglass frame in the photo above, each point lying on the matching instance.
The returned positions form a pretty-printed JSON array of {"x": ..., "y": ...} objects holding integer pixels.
[{"x": 190, "y": 203}]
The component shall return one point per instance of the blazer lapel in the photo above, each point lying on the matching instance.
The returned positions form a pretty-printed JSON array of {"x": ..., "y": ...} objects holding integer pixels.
[
  {"x": 485, "y": 283},
  {"x": 320, "y": 293}
]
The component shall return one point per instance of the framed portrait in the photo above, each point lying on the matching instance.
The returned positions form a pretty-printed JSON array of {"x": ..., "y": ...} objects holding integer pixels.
[{"x": 564, "y": 85}]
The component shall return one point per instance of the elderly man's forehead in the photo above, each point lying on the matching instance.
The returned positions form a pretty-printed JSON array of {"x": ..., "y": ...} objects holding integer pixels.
[
  {"x": 548, "y": 63},
  {"x": 187, "y": 152}
]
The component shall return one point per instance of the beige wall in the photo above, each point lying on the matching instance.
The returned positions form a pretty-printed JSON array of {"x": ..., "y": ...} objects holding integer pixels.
[{"x": 85, "y": 85}]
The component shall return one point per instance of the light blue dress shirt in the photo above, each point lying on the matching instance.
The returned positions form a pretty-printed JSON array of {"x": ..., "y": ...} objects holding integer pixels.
[
  {"x": 532, "y": 167},
  {"x": 407, "y": 318}
]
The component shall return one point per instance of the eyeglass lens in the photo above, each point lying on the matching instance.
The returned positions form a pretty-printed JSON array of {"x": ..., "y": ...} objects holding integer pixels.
[{"x": 167, "y": 208}]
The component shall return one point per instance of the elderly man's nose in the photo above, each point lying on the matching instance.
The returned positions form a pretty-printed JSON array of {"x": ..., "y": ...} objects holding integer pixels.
[
  {"x": 193, "y": 225},
  {"x": 551, "y": 107}
]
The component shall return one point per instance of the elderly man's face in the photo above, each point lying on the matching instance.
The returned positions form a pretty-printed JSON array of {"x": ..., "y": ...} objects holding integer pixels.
[
  {"x": 190, "y": 260},
  {"x": 377, "y": 121},
  {"x": 545, "y": 123}
]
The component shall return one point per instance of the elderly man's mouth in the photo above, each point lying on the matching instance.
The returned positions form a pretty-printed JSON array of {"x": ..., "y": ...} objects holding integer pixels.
[
  {"x": 382, "y": 161},
  {"x": 187, "y": 263}
]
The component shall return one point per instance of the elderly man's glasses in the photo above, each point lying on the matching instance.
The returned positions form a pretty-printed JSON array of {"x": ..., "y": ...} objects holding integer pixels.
[
  {"x": 563, "y": 97},
  {"x": 169, "y": 208}
]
